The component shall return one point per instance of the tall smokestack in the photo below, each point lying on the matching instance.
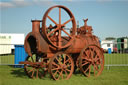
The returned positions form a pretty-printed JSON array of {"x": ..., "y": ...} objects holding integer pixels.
[{"x": 35, "y": 26}]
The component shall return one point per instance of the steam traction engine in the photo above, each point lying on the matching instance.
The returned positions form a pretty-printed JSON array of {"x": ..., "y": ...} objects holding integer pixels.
[{"x": 59, "y": 50}]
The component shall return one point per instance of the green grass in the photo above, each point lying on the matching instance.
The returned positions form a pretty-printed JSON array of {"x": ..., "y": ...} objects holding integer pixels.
[
  {"x": 16, "y": 76},
  {"x": 115, "y": 76}
]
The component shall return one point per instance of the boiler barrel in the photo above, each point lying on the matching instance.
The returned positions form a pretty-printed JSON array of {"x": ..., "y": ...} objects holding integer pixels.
[{"x": 80, "y": 42}]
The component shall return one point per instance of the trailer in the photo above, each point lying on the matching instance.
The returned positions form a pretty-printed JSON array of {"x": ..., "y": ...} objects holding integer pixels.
[
  {"x": 8, "y": 40},
  {"x": 109, "y": 44},
  {"x": 122, "y": 44}
]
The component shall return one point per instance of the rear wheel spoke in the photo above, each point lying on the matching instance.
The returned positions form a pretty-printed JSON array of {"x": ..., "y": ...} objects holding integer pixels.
[
  {"x": 68, "y": 70},
  {"x": 89, "y": 70}
]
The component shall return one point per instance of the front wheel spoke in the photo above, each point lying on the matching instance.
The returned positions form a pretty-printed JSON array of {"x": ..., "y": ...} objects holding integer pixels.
[
  {"x": 33, "y": 73},
  {"x": 85, "y": 63},
  {"x": 40, "y": 74},
  {"x": 61, "y": 73},
  {"x": 87, "y": 59},
  {"x": 37, "y": 72},
  {"x": 58, "y": 61},
  {"x": 89, "y": 70},
  {"x": 55, "y": 64},
  {"x": 54, "y": 74},
  {"x": 31, "y": 70},
  {"x": 56, "y": 68},
  {"x": 66, "y": 72},
  {"x": 86, "y": 69}
]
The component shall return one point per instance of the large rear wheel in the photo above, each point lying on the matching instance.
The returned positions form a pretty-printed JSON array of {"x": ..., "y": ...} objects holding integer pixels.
[{"x": 91, "y": 61}]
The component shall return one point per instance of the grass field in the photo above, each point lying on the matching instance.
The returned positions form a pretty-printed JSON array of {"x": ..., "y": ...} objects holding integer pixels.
[
  {"x": 114, "y": 76},
  {"x": 16, "y": 76}
]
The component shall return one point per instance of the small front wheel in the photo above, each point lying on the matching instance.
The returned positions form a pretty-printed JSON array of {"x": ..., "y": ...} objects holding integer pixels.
[{"x": 35, "y": 66}]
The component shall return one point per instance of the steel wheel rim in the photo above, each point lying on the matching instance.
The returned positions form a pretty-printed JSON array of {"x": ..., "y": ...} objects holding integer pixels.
[
  {"x": 91, "y": 65},
  {"x": 61, "y": 66}
]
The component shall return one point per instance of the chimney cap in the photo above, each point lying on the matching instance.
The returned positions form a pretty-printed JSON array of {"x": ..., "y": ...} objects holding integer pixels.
[{"x": 36, "y": 20}]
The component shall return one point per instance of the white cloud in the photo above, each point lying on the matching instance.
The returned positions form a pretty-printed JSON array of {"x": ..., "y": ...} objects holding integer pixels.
[
  {"x": 6, "y": 5},
  {"x": 13, "y": 3},
  {"x": 104, "y": 0},
  {"x": 22, "y": 3},
  {"x": 70, "y": 0},
  {"x": 44, "y": 2}
]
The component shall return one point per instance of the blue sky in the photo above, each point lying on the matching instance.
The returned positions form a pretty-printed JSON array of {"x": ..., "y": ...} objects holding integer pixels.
[{"x": 109, "y": 18}]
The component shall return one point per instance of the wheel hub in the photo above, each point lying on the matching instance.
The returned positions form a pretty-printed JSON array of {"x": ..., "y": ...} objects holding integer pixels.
[{"x": 63, "y": 66}]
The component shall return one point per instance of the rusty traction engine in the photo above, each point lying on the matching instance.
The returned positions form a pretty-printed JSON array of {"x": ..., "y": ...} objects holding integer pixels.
[{"x": 59, "y": 51}]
